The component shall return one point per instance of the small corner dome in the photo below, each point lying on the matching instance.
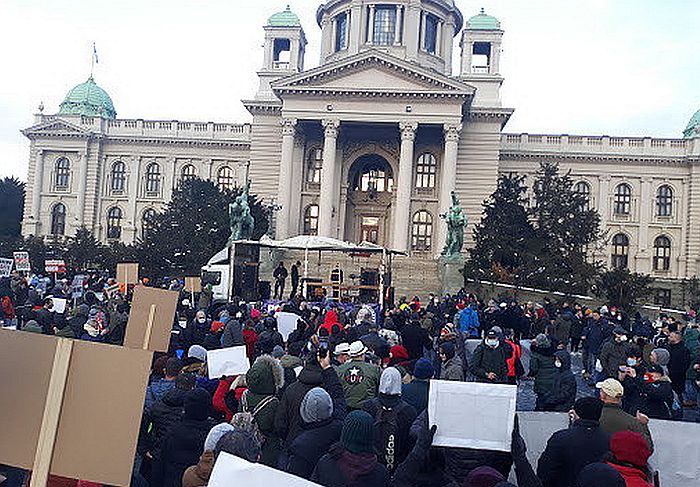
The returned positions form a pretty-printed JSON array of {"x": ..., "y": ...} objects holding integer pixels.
[
  {"x": 285, "y": 18},
  {"x": 483, "y": 22},
  {"x": 693, "y": 128},
  {"x": 89, "y": 100}
]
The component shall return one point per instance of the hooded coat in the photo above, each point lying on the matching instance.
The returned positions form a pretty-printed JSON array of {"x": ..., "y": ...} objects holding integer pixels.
[
  {"x": 288, "y": 420},
  {"x": 564, "y": 323},
  {"x": 264, "y": 379},
  {"x": 404, "y": 413},
  {"x": 163, "y": 415},
  {"x": 334, "y": 467},
  {"x": 562, "y": 396},
  {"x": 542, "y": 368}
]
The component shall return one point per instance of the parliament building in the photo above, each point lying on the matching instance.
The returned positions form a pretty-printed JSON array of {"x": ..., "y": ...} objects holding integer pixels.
[{"x": 367, "y": 146}]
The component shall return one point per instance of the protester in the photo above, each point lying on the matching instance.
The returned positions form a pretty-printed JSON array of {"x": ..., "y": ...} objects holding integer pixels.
[
  {"x": 598, "y": 475},
  {"x": 360, "y": 379},
  {"x": 489, "y": 362},
  {"x": 613, "y": 418},
  {"x": 416, "y": 392},
  {"x": 156, "y": 390},
  {"x": 562, "y": 394},
  {"x": 630, "y": 453},
  {"x": 613, "y": 353},
  {"x": 542, "y": 368},
  {"x": 679, "y": 362},
  {"x": 451, "y": 367}
]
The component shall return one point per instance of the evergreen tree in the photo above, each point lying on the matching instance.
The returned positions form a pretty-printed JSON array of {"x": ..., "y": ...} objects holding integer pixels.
[
  {"x": 504, "y": 239},
  {"x": 192, "y": 228},
  {"x": 564, "y": 228},
  {"x": 84, "y": 251},
  {"x": 11, "y": 207},
  {"x": 623, "y": 288}
]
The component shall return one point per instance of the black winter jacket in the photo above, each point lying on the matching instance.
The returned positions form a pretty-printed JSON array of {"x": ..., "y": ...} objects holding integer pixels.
[
  {"x": 405, "y": 415},
  {"x": 329, "y": 473},
  {"x": 569, "y": 450},
  {"x": 182, "y": 448},
  {"x": 288, "y": 418},
  {"x": 415, "y": 339},
  {"x": 487, "y": 359},
  {"x": 416, "y": 393},
  {"x": 562, "y": 396},
  {"x": 163, "y": 415}
]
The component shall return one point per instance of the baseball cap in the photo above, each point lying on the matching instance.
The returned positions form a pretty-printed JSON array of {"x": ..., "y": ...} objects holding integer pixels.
[{"x": 611, "y": 387}]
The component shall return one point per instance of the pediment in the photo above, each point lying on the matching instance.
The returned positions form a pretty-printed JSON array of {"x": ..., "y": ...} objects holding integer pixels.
[
  {"x": 373, "y": 72},
  {"x": 56, "y": 127}
]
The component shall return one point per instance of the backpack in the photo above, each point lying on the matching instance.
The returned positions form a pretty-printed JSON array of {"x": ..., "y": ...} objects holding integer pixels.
[{"x": 386, "y": 437}]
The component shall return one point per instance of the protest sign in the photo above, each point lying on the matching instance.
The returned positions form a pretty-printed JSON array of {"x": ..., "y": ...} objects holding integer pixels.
[
  {"x": 6, "y": 267},
  {"x": 151, "y": 318},
  {"x": 22, "y": 263},
  {"x": 77, "y": 286},
  {"x": 227, "y": 361},
  {"x": 286, "y": 323},
  {"x": 230, "y": 469},
  {"x": 55, "y": 266},
  {"x": 59, "y": 305},
  {"x": 449, "y": 403},
  {"x": 193, "y": 284},
  {"x": 127, "y": 273}
]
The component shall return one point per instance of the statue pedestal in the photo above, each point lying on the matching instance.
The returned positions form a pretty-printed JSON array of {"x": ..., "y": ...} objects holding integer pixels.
[{"x": 451, "y": 278}]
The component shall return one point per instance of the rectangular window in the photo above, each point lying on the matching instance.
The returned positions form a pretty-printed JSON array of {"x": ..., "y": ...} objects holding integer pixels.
[
  {"x": 430, "y": 34},
  {"x": 341, "y": 32},
  {"x": 384, "y": 25},
  {"x": 662, "y": 297}
]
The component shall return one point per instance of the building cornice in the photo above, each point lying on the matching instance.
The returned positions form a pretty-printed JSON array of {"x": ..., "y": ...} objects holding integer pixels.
[
  {"x": 263, "y": 107},
  {"x": 507, "y": 154}
]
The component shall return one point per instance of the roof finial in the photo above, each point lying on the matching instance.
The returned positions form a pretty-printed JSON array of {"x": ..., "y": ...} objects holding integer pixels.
[
  {"x": 482, "y": 12},
  {"x": 41, "y": 107},
  {"x": 289, "y": 8},
  {"x": 94, "y": 60}
]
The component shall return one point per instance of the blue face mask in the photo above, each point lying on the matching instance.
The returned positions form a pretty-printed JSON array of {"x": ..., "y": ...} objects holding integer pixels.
[{"x": 492, "y": 342}]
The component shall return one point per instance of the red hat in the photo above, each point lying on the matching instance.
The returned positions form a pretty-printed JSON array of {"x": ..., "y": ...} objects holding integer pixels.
[
  {"x": 630, "y": 447},
  {"x": 255, "y": 313},
  {"x": 460, "y": 306},
  {"x": 399, "y": 352},
  {"x": 217, "y": 325}
]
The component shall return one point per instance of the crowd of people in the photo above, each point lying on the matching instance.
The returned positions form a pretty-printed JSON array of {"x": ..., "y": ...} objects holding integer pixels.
[{"x": 342, "y": 400}]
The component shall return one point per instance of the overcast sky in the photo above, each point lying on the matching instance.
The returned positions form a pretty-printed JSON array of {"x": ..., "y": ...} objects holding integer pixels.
[{"x": 615, "y": 67}]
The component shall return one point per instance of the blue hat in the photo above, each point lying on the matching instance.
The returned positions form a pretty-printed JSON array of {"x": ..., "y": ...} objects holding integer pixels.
[
  {"x": 358, "y": 432},
  {"x": 423, "y": 369}
]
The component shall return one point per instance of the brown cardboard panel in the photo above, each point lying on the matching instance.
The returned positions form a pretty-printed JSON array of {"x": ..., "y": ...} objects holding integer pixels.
[
  {"x": 193, "y": 284},
  {"x": 101, "y": 413},
  {"x": 26, "y": 361},
  {"x": 165, "y": 303},
  {"x": 127, "y": 273}
]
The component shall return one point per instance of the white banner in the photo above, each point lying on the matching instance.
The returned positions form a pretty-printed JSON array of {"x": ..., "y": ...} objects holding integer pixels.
[
  {"x": 6, "y": 267},
  {"x": 22, "y": 263},
  {"x": 231, "y": 470},
  {"x": 227, "y": 361},
  {"x": 472, "y": 415},
  {"x": 286, "y": 323}
]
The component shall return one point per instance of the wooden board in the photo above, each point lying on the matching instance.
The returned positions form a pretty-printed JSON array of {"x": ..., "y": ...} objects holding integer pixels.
[
  {"x": 128, "y": 273},
  {"x": 26, "y": 361},
  {"x": 193, "y": 284},
  {"x": 100, "y": 419},
  {"x": 151, "y": 319}
]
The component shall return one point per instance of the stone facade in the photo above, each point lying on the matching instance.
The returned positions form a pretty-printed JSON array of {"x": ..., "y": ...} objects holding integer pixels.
[{"x": 368, "y": 146}]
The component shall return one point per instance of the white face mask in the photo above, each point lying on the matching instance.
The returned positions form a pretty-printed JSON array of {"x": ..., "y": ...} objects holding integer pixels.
[
  {"x": 631, "y": 362},
  {"x": 201, "y": 320},
  {"x": 557, "y": 364},
  {"x": 623, "y": 338},
  {"x": 492, "y": 342}
]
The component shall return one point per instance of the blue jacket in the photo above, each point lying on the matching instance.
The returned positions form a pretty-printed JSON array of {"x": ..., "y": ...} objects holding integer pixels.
[
  {"x": 596, "y": 334},
  {"x": 156, "y": 390},
  {"x": 469, "y": 321}
]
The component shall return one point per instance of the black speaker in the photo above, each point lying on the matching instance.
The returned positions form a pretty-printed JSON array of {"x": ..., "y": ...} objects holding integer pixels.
[
  {"x": 264, "y": 290},
  {"x": 246, "y": 260}
]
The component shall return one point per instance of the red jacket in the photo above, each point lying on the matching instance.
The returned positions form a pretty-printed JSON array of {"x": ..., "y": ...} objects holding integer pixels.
[
  {"x": 250, "y": 338},
  {"x": 634, "y": 477},
  {"x": 517, "y": 353},
  {"x": 7, "y": 308},
  {"x": 218, "y": 400}
]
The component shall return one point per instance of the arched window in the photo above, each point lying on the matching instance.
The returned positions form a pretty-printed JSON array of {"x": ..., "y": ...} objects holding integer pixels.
[
  {"x": 314, "y": 165},
  {"x": 372, "y": 174},
  {"x": 426, "y": 168},
  {"x": 153, "y": 178},
  {"x": 662, "y": 253},
  {"x": 147, "y": 221},
  {"x": 114, "y": 223},
  {"x": 620, "y": 251},
  {"x": 58, "y": 219},
  {"x": 311, "y": 220},
  {"x": 188, "y": 172},
  {"x": 664, "y": 200},
  {"x": 224, "y": 178},
  {"x": 422, "y": 231},
  {"x": 583, "y": 189},
  {"x": 623, "y": 199},
  {"x": 62, "y": 173},
  {"x": 118, "y": 182}
]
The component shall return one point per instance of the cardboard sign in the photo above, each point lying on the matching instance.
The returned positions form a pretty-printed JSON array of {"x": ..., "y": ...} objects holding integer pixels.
[
  {"x": 230, "y": 469},
  {"x": 227, "y": 361},
  {"x": 22, "y": 263},
  {"x": 6, "y": 267},
  {"x": 193, "y": 284},
  {"x": 55, "y": 266},
  {"x": 151, "y": 318},
  {"x": 128, "y": 273},
  {"x": 286, "y": 323},
  {"x": 449, "y": 403},
  {"x": 104, "y": 396}
]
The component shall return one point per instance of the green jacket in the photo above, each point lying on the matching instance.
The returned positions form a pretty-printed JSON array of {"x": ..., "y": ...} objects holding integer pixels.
[
  {"x": 360, "y": 382},
  {"x": 543, "y": 370},
  {"x": 691, "y": 338},
  {"x": 614, "y": 419}
]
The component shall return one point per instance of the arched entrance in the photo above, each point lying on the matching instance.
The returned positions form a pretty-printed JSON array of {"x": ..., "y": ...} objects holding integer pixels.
[{"x": 370, "y": 193}]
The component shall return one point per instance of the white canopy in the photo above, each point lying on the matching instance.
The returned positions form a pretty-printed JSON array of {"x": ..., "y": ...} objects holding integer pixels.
[{"x": 314, "y": 242}]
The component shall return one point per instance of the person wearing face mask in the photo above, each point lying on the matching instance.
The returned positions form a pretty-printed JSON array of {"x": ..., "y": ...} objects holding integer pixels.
[
  {"x": 631, "y": 376},
  {"x": 562, "y": 395},
  {"x": 613, "y": 353},
  {"x": 196, "y": 330},
  {"x": 489, "y": 362}
]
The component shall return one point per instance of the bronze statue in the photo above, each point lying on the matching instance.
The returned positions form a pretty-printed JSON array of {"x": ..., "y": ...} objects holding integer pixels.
[
  {"x": 240, "y": 218},
  {"x": 456, "y": 221}
]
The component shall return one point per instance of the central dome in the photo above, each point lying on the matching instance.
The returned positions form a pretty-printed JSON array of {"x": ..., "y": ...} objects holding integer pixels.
[
  {"x": 693, "y": 128},
  {"x": 89, "y": 100}
]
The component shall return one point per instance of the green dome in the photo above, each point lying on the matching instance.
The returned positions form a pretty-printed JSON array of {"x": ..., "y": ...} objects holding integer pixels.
[
  {"x": 89, "y": 100},
  {"x": 286, "y": 18},
  {"x": 693, "y": 128},
  {"x": 483, "y": 22}
]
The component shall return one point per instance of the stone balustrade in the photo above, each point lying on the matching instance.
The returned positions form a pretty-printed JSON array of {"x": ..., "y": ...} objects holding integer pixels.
[{"x": 598, "y": 144}]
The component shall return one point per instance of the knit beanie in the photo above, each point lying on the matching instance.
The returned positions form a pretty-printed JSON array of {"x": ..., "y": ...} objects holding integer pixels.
[
  {"x": 278, "y": 352},
  {"x": 483, "y": 476},
  {"x": 390, "y": 382},
  {"x": 599, "y": 474},
  {"x": 399, "y": 352},
  {"x": 662, "y": 356},
  {"x": 197, "y": 404},
  {"x": 630, "y": 447},
  {"x": 358, "y": 432},
  {"x": 423, "y": 369},
  {"x": 448, "y": 349},
  {"x": 589, "y": 408},
  {"x": 316, "y": 406},
  {"x": 542, "y": 341},
  {"x": 215, "y": 434},
  {"x": 198, "y": 352}
]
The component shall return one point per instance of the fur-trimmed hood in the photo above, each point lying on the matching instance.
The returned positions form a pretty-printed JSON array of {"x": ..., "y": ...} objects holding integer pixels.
[{"x": 266, "y": 375}]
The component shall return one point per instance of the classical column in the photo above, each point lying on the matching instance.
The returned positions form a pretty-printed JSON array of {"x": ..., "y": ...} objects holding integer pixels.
[
  {"x": 448, "y": 176},
  {"x": 284, "y": 189},
  {"x": 134, "y": 187},
  {"x": 370, "y": 26},
  {"x": 328, "y": 186},
  {"x": 644, "y": 216},
  {"x": 402, "y": 210},
  {"x": 35, "y": 215},
  {"x": 397, "y": 26},
  {"x": 82, "y": 187}
]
